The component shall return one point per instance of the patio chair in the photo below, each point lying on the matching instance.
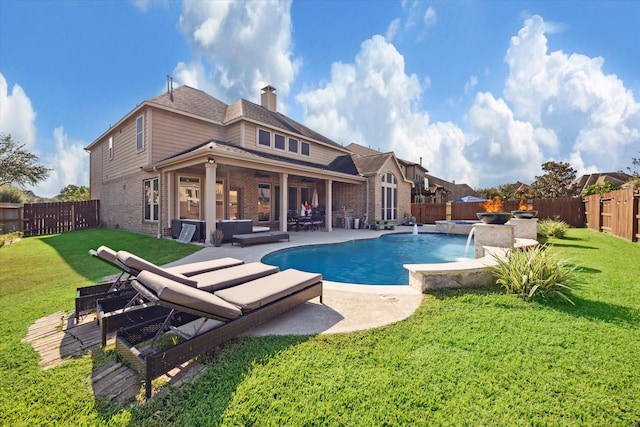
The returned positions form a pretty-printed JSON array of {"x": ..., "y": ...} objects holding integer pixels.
[
  {"x": 203, "y": 320},
  {"x": 114, "y": 313},
  {"x": 87, "y": 296}
]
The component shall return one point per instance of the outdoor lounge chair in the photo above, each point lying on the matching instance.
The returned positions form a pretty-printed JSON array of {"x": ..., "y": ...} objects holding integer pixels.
[
  {"x": 228, "y": 312},
  {"x": 87, "y": 296},
  {"x": 114, "y": 313},
  {"x": 262, "y": 237}
]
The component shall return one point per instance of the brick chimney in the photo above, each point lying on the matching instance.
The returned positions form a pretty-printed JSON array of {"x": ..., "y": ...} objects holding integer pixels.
[{"x": 268, "y": 98}]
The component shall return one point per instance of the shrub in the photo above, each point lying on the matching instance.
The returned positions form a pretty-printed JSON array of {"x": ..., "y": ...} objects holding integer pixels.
[
  {"x": 534, "y": 272},
  {"x": 552, "y": 228},
  {"x": 9, "y": 237},
  {"x": 9, "y": 194}
]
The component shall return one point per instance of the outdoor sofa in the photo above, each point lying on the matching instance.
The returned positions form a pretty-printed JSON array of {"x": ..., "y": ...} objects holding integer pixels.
[
  {"x": 204, "y": 320},
  {"x": 262, "y": 237},
  {"x": 87, "y": 296},
  {"x": 114, "y": 313}
]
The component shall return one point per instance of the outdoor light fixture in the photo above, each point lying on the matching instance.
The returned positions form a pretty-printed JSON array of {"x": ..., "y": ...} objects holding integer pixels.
[{"x": 211, "y": 160}]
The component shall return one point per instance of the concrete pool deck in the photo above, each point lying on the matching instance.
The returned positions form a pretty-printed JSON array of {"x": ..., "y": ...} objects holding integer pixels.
[{"x": 346, "y": 307}]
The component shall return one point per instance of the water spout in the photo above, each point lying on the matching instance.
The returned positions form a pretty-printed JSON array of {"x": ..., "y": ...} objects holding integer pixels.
[
  {"x": 466, "y": 248},
  {"x": 415, "y": 229}
]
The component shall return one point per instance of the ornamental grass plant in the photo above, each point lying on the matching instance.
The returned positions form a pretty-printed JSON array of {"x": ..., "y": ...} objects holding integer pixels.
[
  {"x": 552, "y": 228},
  {"x": 534, "y": 272}
]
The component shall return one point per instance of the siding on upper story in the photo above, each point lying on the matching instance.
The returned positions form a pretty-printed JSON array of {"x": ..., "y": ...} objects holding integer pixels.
[
  {"x": 173, "y": 133},
  {"x": 126, "y": 157}
]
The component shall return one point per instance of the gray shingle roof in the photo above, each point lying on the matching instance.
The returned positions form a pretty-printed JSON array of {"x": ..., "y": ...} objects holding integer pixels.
[
  {"x": 192, "y": 101},
  {"x": 199, "y": 103}
]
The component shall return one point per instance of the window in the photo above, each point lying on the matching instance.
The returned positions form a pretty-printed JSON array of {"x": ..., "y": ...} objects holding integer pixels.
[
  {"x": 264, "y": 138},
  {"x": 235, "y": 203},
  {"x": 278, "y": 141},
  {"x": 139, "y": 133},
  {"x": 111, "y": 147},
  {"x": 219, "y": 199},
  {"x": 151, "y": 197},
  {"x": 189, "y": 197},
  {"x": 389, "y": 195},
  {"x": 264, "y": 202},
  {"x": 304, "y": 148},
  {"x": 293, "y": 145}
]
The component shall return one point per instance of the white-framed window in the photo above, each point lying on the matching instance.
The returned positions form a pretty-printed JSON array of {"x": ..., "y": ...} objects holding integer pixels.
[
  {"x": 389, "y": 196},
  {"x": 293, "y": 145},
  {"x": 151, "y": 199},
  {"x": 111, "y": 147},
  {"x": 264, "y": 138},
  {"x": 140, "y": 133},
  {"x": 189, "y": 197},
  {"x": 305, "y": 148},
  {"x": 278, "y": 141}
]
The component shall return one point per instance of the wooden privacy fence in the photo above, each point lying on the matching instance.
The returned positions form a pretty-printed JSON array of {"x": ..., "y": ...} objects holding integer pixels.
[
  {"x": 10, "y": 217},
  {"x": 568, "y": 209},
  {"x": 617, "y": 213},
  {"x": 50, "y": 218}
]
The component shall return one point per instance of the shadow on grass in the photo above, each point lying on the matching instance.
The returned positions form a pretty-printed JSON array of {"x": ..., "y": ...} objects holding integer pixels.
[
  {"x": 228, "y": 365},
  {"x": 595, "y": 310},
  {"x": 73, "y": 247}
]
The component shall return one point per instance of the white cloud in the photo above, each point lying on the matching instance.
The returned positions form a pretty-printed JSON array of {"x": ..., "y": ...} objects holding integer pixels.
[
  {"x": 470, "y": 84},
  {"x": 69, "y": 163},
  {"x": 373, "y": 102},
  {"x": 17, "y": 117},
  {"x": 597, "y": 119},
  {"x": 237, "y": 50},
  {"x": 429, "y": 17},
  {"x": 67, "y": 159}
]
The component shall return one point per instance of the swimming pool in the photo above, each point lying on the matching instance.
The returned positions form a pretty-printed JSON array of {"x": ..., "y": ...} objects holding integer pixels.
[{"x": 372, "y": 261}]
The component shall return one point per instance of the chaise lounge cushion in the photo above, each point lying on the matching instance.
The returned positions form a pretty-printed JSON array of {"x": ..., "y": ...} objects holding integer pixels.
[
  {"x": 252, "y": 295},
  {"x": 135, "y": 262},
  {"x": 177, "y": 293},
  {"x": 194, "y": 268},
  {"x": 106, "y": 253},
  {"x": 231, "y": 276}
]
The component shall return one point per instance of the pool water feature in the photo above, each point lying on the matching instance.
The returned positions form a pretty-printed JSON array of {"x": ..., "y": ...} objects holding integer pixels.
[{"x": 372, "y": 261}]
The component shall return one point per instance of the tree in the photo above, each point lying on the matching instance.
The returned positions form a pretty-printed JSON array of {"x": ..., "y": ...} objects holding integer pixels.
[
  {"x": 599, "y": 188},
  {"x": 556, "y": 182},
  {"x": 73, "y": 193},
  {"x": 17, "y": 165}
]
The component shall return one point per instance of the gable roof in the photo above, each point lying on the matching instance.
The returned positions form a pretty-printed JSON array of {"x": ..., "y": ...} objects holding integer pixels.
[{"x": 584, "y": 181}]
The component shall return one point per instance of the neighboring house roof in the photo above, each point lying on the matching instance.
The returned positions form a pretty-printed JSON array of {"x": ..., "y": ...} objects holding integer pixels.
[{"x": 584, "y": 181}]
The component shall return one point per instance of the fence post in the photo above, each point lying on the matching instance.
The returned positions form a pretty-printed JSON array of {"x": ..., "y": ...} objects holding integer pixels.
[{"x": 448, "y": 211}]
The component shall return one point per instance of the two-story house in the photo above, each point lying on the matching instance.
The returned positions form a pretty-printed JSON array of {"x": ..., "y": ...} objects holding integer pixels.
[{"x": 185, "y": 155}]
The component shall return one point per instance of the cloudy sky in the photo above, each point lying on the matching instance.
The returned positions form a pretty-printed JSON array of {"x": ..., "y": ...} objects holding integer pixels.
[{"x": 483, "y": 92}]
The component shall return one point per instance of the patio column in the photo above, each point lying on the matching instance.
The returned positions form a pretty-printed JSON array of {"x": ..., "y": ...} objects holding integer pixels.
[
  {"x": 284, "y": 201},
  {"x": 328, "y": 218},
  {"x": 210, "y": 197}
]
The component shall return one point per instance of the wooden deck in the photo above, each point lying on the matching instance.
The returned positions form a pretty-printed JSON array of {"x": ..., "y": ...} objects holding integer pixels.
[{"x": 57, "y": 338}]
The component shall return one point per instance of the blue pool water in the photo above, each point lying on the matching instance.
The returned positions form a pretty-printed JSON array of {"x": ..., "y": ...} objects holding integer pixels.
[{"x": 373, "y": 261}]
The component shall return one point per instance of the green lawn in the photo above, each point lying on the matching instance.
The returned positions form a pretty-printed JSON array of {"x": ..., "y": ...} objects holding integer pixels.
[{"x": 464, "y": 358}]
